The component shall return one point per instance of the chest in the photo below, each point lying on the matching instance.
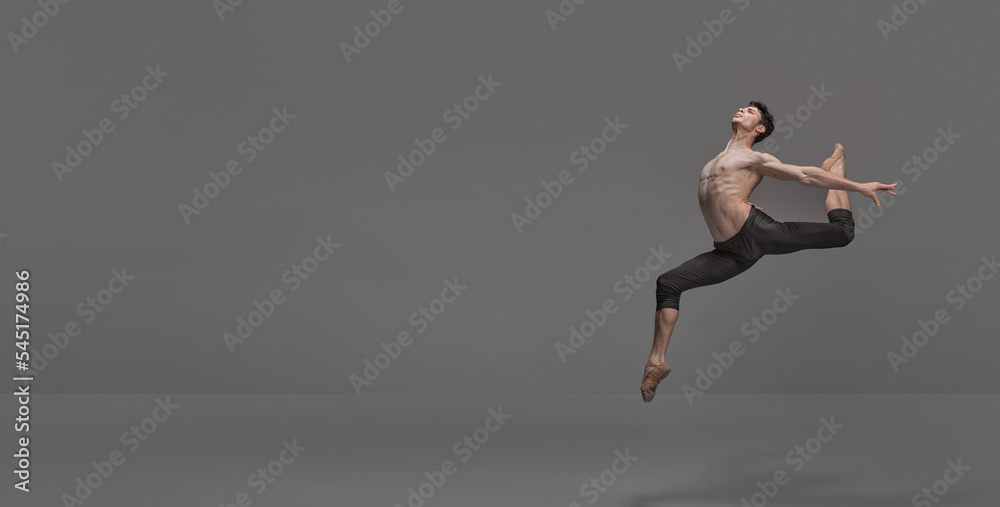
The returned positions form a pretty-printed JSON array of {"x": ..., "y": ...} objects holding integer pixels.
[{"x": 720, "y": 167}]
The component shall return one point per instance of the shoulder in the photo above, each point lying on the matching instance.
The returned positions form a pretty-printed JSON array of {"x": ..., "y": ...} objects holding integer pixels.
[{"x": 758, "y": 159}]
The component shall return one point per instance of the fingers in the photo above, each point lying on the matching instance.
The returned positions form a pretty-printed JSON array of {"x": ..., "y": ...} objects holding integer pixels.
[{"x": 874, "y": 197}]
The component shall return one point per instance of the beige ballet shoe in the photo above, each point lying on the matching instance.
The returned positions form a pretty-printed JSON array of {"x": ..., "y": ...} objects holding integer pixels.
[
  {"x": 838, "y": 153},
  {"x": 652, "y": 379}
]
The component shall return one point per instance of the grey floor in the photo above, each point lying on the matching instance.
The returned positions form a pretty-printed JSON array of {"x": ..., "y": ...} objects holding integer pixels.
[{"x": 370, "y": 450}]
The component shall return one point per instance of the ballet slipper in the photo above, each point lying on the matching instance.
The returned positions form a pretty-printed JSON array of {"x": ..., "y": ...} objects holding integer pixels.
[
  {"x": 652, "y": 379},
  {"x": 838, "y": 153}
]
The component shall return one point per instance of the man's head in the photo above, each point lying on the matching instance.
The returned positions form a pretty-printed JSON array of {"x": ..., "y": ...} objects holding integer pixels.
[{"x": 754, "y": 118}]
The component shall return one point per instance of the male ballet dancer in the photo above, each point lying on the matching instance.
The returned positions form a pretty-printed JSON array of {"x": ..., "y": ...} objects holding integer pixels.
[{"x": 742, "y": 233}]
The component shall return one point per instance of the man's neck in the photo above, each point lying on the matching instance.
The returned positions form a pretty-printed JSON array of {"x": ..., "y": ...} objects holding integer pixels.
[{"x": 740, "y": 142}]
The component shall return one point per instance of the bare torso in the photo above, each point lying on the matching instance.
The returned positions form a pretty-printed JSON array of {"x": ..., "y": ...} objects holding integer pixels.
[{"x": 723, "y": 192}]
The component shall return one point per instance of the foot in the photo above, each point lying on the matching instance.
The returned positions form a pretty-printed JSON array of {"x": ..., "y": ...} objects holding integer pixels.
[
  {"x": 651, "y": 378},
  {"x": 838, "y": 155}
]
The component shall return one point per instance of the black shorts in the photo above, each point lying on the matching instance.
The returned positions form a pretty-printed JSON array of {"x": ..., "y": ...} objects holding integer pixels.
[{"x": 760, "y": 235}]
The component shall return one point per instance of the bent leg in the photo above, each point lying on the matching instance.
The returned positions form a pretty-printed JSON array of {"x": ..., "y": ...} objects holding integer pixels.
[
  {"x": 837, "y": 164},
  {"x": 786, "y": 237},
  {"x": 774, "y": 237}
]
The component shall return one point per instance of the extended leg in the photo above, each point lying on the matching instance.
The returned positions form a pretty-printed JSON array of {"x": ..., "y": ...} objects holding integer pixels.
[
  {"x": 663, "y": 327},
  {"x": 656, "y": 369},
  {"x": 705, "y": 269}
]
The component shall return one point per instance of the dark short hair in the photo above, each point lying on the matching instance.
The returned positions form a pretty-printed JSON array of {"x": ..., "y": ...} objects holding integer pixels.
[{"x": 765, "y": 118}]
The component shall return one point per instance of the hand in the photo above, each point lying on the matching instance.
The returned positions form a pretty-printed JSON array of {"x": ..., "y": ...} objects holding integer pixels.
[
  {"x": 868, "y": 190},
  {"x": 755, "y": 206}
]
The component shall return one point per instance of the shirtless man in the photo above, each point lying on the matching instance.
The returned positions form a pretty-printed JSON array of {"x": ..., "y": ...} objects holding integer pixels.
[{"x": 741, "y": 232}]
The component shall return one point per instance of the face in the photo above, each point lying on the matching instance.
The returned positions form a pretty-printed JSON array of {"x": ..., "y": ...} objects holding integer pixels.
[{"x": 746, "y": 117}]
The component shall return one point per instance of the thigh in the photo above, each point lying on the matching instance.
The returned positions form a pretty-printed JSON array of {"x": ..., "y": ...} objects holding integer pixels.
[
  {"x": 786, "y": 237},
  {"x": 708, "y": 268}
]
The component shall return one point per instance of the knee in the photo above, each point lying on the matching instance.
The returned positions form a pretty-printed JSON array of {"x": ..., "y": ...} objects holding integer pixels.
[
  {"x": 843, "y": 237},
  {"x": 849, "y": 234},
  {"x": 844, "y": 219},
  {"x": 668, "y": 283},
  {"x": 668, "y": 291},
  {"x": 848, "y": 227}
]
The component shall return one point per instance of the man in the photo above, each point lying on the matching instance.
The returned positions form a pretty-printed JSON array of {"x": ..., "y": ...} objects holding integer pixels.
[{"x": 742, "y": 233}]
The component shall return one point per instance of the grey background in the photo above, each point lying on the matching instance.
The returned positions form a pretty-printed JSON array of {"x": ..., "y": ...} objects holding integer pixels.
[{"x": 323, "y": 176}]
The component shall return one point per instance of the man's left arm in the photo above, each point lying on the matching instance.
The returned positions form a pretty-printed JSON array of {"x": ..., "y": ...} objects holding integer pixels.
[
  {"x": 769, "y": 165},
  {"x": 816, "y": 177}
]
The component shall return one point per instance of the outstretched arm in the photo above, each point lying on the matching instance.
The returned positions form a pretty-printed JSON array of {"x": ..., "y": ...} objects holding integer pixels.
[{"x": 769, "y": 165}]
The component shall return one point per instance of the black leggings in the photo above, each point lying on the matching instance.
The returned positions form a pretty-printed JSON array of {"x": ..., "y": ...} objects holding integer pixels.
[{"x": 761, "y": 235}]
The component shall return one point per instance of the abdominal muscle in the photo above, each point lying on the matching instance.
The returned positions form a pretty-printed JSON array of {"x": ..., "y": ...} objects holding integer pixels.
[{"x": 723, "y": 195}]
